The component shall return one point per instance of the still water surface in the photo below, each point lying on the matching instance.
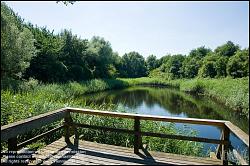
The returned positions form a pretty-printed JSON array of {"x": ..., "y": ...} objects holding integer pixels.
[{"x": 173, "y": 103}]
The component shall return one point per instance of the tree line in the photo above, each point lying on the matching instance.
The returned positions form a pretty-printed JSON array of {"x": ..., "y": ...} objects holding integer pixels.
[
  {"x": 29, "y": 51},
  {"x": 226, "y": 60}
]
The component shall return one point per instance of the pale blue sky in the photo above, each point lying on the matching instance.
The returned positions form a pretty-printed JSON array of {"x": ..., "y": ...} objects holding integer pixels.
[{"x": 146, "y": 27}]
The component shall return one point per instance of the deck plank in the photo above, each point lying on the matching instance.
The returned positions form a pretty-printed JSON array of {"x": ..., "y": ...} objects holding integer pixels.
[
  {"x": 91, "y": 153},
  {"x": 129, "y": 151}
]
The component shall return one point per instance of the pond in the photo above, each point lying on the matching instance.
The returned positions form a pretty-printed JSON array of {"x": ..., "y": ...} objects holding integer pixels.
[{"x": 170, "y": 102}]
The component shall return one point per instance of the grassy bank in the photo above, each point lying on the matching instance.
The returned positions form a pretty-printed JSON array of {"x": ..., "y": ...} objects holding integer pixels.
[
  {"x": 234, "y": 93},
  {"x": 31, "y": 98}
]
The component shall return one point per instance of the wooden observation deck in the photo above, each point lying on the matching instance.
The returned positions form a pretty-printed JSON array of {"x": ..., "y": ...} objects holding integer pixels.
[{"x": 70, "y": 150}]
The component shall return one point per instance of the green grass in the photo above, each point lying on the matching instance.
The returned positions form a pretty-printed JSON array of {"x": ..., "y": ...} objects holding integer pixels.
[
  {"x": 234, "y": 93},
  {"x": 149, "y": 81}
]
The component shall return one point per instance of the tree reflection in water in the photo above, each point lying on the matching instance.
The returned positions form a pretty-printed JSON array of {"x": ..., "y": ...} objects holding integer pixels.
[{"x": 171, "y": 101}]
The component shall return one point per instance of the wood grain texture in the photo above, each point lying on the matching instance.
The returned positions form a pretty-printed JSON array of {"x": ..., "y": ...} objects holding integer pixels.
[
  {"x": 238, "y": 132},
  {"x": 102, "y": 154},
  {"x": 219, "y": 123},
  {"x": 38, "y": 137},
  {"x": 26, "y": 125}
]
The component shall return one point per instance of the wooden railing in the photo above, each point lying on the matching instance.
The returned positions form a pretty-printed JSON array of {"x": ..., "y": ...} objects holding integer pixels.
[{"x": 11, "y": 131}]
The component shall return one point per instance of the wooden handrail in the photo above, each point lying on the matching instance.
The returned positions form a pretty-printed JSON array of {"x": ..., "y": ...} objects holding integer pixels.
[
  {"x": 219, "y": 123},
  {"x": 26, "y": 125},
  {"x": 238, "y": 132}
]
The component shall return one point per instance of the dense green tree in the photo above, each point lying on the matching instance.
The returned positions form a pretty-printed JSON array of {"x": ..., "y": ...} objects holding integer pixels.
[
  {"x": 133, "y": 65},
  {"x": 17, "y": 45},
  {"x": 199, "y": 52},
  {"x": 74, "y": 56},
  {"x": 208, "y": 68},
  {"x": 190, "y": 67},
  {"x": 46, "y": 66},
  {"x": 164, "y": 59},
  {"x": 173, "y": 66},
  {"x": 221, "y": 66},
  {"x": 101, "y": 60},
  {"x": 117, "y": 65},
  {"x": 193, "y": 61},
  {"x": 238, "y": 65},
  {"x": 228, "y": 49},
  {"x": 152, "y": 62}
]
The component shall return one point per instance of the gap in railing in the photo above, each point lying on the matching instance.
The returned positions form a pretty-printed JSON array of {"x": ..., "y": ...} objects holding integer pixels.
[
  {"x": 114, "y": 122},
  {"x": 236, "y": 152},
  {"x": 107, "y": 137},
  {"x": 175, "y": 129}
]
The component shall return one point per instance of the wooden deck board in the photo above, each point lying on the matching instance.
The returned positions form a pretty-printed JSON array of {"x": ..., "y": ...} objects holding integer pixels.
[
  {"x": 91, "y": 153},
  {"x": 129, "y": 151}
]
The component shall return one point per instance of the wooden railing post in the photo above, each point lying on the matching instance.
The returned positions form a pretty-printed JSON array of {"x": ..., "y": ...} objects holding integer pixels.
[
  {"x": 219, "y": 147},
  {"x": 76, "y": 140},
  {"x": 67, "y": 124},
  {"x": 12, "y": 144},
  {"x": 225, "y": 147},
  {"x": 137, "y": 135},
  {"x": 12, "y": 148}
]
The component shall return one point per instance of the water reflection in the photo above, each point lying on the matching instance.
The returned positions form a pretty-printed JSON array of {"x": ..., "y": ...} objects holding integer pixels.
[{"x": 168, "y": 102}]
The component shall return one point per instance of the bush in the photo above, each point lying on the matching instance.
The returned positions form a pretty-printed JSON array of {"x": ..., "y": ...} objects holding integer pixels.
[
  {"x": 10, "y": 83},
  {"x": 238, "y": 65},
  {"x": 194, "y": 86},
  {"x": 208, "y": 70},
  {"x": 157, "y": 73},
  {"x": 29, "y": 85}
]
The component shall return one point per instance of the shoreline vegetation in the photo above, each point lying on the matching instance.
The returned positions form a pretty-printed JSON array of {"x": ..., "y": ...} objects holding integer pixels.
[
  {"x": 33, "y": 98},
  {"x": 233, "y": 93}
]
